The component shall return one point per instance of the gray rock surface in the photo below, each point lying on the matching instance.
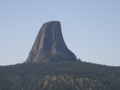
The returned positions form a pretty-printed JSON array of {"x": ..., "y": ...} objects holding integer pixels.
[{"x": 49, "y": 45}]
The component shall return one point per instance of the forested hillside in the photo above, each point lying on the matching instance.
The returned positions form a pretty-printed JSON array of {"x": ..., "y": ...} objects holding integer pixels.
[{"x": 59, "y": 76}]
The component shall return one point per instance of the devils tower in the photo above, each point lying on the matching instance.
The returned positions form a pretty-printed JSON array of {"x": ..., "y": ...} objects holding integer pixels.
[{"x": 49, "y": 45}]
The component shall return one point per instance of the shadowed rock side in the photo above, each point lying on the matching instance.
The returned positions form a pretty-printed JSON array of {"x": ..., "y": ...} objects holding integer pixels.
[{"x": 49, "y": 45}]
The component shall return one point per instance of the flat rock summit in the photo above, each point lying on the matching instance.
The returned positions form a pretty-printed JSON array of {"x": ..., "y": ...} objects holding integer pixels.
[{"x": 49, "y": 45}]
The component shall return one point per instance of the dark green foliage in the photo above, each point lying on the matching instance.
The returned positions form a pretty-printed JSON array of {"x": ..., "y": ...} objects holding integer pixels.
[{"x": 59, "y": 76}]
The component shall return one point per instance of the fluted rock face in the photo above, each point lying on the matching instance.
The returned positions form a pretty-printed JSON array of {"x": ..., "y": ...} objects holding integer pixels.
[{"x": 49, "y": 45}]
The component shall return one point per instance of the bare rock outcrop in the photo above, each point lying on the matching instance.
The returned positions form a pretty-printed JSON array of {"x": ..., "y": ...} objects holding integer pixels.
[{"x": 49, "y": 45}]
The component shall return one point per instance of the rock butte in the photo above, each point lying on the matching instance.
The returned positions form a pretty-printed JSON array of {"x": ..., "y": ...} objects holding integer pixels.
[{"x": 49, "y": 45}]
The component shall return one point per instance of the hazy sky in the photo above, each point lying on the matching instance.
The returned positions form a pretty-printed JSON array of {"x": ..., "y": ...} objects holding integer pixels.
[{"x": 91, "y": 28}]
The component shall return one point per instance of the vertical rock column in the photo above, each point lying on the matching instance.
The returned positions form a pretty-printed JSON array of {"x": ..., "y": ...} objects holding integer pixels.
[{"x": 49, "y": 45}]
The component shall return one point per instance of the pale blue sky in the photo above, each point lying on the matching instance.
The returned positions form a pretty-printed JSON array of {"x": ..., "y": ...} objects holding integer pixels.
[{"x": 91, "y": 28}]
